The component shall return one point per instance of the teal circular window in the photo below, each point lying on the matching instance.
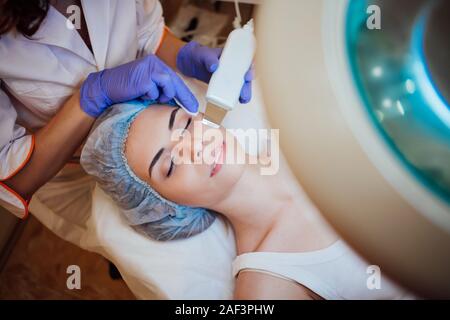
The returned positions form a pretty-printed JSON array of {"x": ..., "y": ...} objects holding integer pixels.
[{"x": 402, "y": 73}]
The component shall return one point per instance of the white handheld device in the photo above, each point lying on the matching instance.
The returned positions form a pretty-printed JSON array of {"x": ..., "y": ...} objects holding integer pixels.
[{"x": 226, "y": 82}]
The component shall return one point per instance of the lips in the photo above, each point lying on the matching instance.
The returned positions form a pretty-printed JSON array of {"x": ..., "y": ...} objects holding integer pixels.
[{"x": 219, "y": 160}]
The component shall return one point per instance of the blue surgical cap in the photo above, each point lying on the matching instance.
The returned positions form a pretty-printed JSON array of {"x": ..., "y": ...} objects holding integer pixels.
[{"x": 147, "y": 211}]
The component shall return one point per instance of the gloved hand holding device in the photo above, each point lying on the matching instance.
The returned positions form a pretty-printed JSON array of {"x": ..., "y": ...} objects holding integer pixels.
[{"x": 200, "y": 62}]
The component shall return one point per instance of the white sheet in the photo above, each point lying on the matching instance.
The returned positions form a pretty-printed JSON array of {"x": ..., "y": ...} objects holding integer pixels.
[{"x": 194, "y": 268}]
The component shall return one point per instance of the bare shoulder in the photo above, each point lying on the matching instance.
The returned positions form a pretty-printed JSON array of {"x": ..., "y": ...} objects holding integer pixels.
[{"x": 254, "y": 285}]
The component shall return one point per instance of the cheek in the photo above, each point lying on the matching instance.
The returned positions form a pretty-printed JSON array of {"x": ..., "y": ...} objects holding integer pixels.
[
  {"x": 204, "y": 191},
  {"x": 191, "y": 185},
  {"x": 185, "y": 186}
]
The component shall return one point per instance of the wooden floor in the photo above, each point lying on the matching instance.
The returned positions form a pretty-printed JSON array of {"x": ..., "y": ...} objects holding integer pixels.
[{"x": 37, "y": 269}]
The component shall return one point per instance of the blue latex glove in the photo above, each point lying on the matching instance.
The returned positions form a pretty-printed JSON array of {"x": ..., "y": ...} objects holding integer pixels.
[
  {"x": 147, "y": 78},
  {"x": 200, "y": 62}
]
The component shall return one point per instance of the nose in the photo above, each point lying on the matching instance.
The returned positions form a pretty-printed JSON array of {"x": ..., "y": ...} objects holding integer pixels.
[
  {"x": 190, "y": 145},
  {"x": 196, "y": 145},
  {"x": 194, "y": 141},
  {"x": 201, "y": 137}
]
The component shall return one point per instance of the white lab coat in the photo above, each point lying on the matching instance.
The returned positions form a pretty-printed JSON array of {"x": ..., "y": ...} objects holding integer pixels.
[{"x": 37, "y": 77}]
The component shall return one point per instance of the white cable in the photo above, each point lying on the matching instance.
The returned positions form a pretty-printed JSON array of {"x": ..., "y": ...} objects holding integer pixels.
[{"x": 237, "y": 21}]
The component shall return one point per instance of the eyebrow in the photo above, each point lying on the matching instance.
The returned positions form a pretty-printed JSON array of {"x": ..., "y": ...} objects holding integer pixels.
[
  {"x": 155, "y": 159},
  {"x": 159, "y": 153},
  {"x": 172, "y": 118}
]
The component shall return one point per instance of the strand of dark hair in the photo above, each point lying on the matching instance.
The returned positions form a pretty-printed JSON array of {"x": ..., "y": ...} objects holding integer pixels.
[{"x": 25, "y": 16}]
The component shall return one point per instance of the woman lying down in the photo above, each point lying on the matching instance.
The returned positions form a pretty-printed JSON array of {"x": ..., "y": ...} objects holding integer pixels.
[{"x": 285, "y": 250}]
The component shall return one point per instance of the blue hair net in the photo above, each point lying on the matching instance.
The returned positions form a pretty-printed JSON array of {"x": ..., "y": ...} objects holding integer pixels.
[{"x": 147, "y": 211}]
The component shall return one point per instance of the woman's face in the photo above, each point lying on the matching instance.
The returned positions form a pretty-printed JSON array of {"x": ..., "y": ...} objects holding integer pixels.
[{"x": 182, "y": 159}]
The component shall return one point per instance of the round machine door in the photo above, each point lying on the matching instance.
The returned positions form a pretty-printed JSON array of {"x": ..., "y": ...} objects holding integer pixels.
[
  {"x": 402, "y": 74},
  {"x": 360, "y": 92}
]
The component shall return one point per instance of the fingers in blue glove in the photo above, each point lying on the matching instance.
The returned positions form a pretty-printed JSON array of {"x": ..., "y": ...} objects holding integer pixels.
[
  {"x": 250, "y": 75},
  {"x": 211, "y": 60},
  {"x": 153, "y": 92},
  {"x": 246, "y": 93},
  {"x": 183, "y": 95},
  {"x": 164, "y": 82},
  {"x": 197, "y": 61},
  {"x": 147, "y": 78},
  {"x": 167, "y": 85}
]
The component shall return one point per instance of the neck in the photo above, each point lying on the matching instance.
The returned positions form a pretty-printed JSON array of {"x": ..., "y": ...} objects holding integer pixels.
[{"x": 252, "y": 206}]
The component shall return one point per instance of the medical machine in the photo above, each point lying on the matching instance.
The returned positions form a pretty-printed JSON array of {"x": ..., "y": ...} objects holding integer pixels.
[
  {"x": 226, "y": 82},
  {"x": 360, "y": 90}
]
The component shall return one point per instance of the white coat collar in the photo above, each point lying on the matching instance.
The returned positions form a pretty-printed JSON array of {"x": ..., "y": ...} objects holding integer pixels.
[
  {"x": 53, "y": 31},
  {"x": 98, "y": 16}
]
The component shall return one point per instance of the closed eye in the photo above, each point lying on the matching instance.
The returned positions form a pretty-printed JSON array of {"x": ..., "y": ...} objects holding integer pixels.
[
  {"x": 188, "y": 123},
  {"x": 172, "y": 165}
]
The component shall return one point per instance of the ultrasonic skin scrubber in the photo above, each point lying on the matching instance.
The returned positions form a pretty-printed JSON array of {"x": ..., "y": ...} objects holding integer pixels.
[{"x": 227, "y": 81}]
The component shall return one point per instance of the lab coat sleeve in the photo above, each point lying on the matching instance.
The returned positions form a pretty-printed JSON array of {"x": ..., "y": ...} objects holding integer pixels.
[
  {"x": 150, "y": 26},
  {"x": 16, "y": 147}
]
